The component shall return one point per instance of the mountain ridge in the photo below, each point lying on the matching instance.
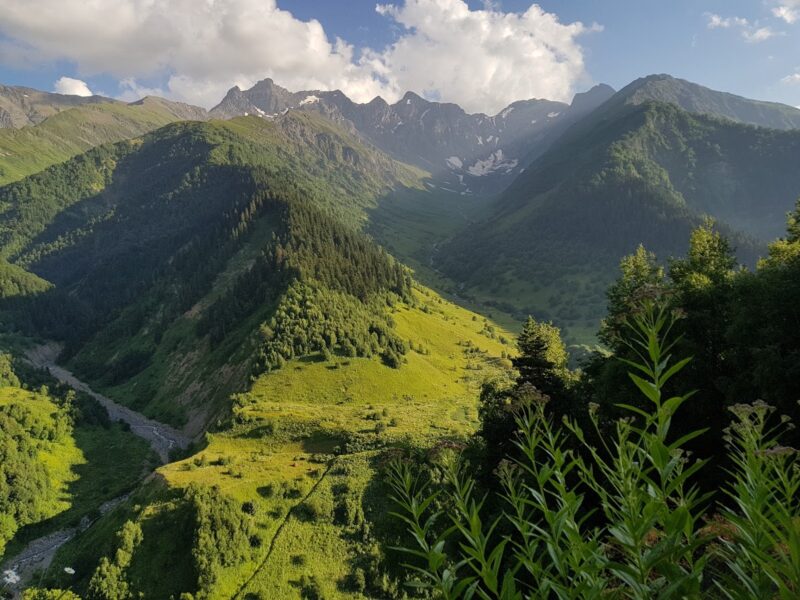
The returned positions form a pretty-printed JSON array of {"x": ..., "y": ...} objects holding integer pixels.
[
  {"x": 471, "y": 153},
  {"x": 21, "y": 106}
]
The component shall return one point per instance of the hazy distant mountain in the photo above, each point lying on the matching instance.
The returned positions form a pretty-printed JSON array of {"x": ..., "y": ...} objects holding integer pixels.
[
  {"x": 69, "y": 132},
  {"x": 702, "y": 100},
  {"x": 628, "y": 173},
  {"x": 21, "y": 106},
  {"x": 470, "y": 152}
]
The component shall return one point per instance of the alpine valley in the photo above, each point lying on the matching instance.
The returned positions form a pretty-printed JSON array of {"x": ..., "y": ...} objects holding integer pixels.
[{"x": 220, "y": 328}]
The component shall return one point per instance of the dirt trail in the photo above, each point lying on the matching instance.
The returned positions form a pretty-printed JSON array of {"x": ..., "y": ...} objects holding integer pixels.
[{"x": 162, "y": 438}]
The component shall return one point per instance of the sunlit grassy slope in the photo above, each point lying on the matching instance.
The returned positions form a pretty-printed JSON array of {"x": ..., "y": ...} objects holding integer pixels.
[
  {"x": 70, "y": 132},
  {"x": 60, "y": 456},
  {"x": 346, "y": 406},
  {"x": 88, "y": 465},
  {"x": 305, "y": 447}
]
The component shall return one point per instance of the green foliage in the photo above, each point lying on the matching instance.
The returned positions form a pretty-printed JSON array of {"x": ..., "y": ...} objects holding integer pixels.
[
  {"x": 541, "y": 363},
  {"x": 738, "y": 325},
  {"x": 710, "y": 260},
  {"x": 51, "y": 594},
  {"x": 640, "y": 274},
  {"x": 793, "y": 224},
  {"x": 648, "y": 540},
  {"x": 222, "y": 536},
  {"x": 763, "y": 553},
  {"x": 109, "y": 581},
  {"x": 28, "y": 489},
  {"x": 542, "y": 358},
  {"x": 8, "y": 378}
]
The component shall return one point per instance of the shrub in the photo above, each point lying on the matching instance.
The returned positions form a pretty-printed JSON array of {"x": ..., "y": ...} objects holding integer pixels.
[{"x": 644, "y": 537}]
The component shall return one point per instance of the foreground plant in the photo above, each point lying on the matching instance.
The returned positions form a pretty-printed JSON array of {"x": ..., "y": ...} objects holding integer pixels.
[{"x": 621, "y": 519}]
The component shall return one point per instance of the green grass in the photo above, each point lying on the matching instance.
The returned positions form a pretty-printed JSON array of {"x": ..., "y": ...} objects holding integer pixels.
[
  {"x": 305, "y": 448},
  {"x": 90, "y": 466},
  {"x": 70, "y": 132},
  {"x": 292, "y": 420}
]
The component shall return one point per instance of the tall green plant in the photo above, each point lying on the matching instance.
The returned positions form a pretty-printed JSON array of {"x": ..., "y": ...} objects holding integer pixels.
[
  {"x": 762, "y": 550},
  {"x": 618, "y": 520}
]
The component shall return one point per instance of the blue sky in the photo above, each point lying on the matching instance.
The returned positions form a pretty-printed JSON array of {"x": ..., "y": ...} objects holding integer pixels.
[{"x": 750, "y": 48}]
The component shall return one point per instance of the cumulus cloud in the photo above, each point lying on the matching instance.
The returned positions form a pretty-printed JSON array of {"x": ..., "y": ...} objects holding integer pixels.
[
  {"x": 788, "y": 10},
  {"x": 718, "y": 22},
  {"x": 72, "y": 87},
  {"x": 793, "y": 79},
  {"x": 482, "y": 59},
  {"x": 751, "y": 32},
  {"x": 759, "y": 34},
  {"x": 197, "y": 50}
]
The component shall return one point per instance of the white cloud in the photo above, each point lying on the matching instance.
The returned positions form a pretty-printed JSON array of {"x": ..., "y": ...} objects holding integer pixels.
[
  {"x": 718, "y": 22},
  {"x": 131, "y": 90},
  {"x": 793, "y": 79},
  {"x": 751, "y": 32},
  {"x": 482, "y": 59},
  {"x": 788, "y": 10},
  {"x": 760, "y": 34},
  {"x": 72, "y": 87}
]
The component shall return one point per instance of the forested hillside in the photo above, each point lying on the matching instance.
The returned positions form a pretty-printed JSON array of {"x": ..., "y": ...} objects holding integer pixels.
[
  {"x": 165, "y": 254},
  {"x": 627, "y": 175},
  {"x": 666, "y": 468},
  {"x": 62, "y": 459}
]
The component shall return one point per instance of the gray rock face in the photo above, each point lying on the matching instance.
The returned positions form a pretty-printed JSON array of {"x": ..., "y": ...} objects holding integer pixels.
[
  {"x": 21, "y": 106},
  {"x": 468, "y": 153}
]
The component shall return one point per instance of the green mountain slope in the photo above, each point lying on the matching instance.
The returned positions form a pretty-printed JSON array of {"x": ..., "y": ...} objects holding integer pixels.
[
  {"x": 627, "y": 175},
  {"x": 211, "y": 259},
  {"x": 69, "y": 132},
  {"x": 697, "y": 99},
  {"x": 167, "y": 253},
  {"x": 23, "y": 106},
  {"x": 296, "y": 479}
]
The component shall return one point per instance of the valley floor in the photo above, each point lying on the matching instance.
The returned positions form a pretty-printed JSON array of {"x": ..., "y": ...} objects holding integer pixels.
[{"x": 162, "y": 438}]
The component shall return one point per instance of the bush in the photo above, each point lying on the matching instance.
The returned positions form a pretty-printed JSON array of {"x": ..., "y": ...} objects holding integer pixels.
[
  {"x": 309, "y": 588},
  {"x": 645, "y": 538}
]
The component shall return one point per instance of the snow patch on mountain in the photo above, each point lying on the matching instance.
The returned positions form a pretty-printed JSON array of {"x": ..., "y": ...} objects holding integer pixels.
[
  {"x": 309, "y": 100},
  {"x": 496, "y": 161},
  {"x": 454, "y": 162}
]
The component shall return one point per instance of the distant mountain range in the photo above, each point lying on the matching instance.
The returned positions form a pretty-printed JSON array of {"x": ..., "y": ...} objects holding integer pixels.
[
  {"x": 21, "y": 106},
  {"x": 467, "y": 152},
  {"x": 643, "y": 168},
  {"x": 75, "y": 129},
  {"x": 556, "y": 192}
]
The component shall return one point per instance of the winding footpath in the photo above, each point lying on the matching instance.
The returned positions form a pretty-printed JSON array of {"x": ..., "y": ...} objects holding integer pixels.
[{"x": 39, "y": 553}]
